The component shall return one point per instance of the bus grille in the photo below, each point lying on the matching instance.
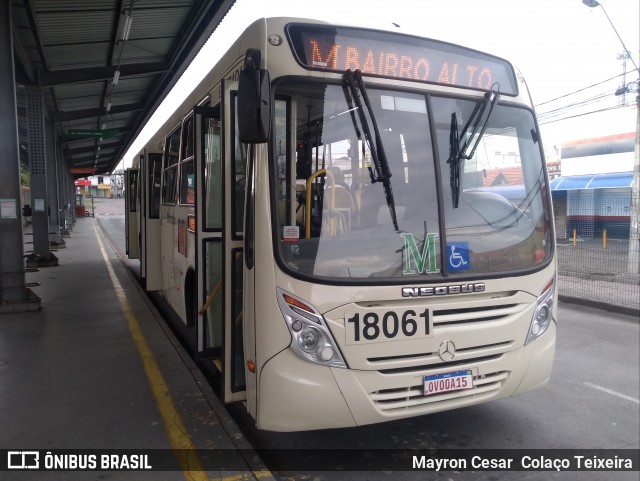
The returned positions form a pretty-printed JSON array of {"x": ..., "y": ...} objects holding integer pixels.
[
  {"x": 440, "y": 365},
  {"x": 431, "y": 360},
  {"x": 472, "y": 315},
  {"x": 483, "y": 328},
  {"x": 403, "y": 399}
]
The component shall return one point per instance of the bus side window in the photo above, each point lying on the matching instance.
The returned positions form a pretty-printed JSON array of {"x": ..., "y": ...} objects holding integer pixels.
[
  {"x": 304, "y": 158},
  {"x": 170, "y": 163},
  {"x": 187, "y": 171},
  {"x": 239, "y": 153},
  {"x": 281, "y": 129},
  {"x": 155, "y": 171},
  {"x": 213, "y": 188},
  {"x": 133, "y": 190}
]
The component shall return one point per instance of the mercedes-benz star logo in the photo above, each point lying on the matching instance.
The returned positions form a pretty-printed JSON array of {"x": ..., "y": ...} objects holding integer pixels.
[{"x": 447, "y": 350}]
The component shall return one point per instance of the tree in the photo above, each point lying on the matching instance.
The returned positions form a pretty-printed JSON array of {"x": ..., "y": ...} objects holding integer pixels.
[{"x": 24, "y": 175}]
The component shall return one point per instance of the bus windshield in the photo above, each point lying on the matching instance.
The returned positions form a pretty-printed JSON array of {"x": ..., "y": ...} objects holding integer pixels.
[{"x": 333, "y": 214}]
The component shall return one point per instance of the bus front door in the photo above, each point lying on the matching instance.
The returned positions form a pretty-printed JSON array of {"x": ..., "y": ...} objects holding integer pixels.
[{"x": 219, "y": 255}]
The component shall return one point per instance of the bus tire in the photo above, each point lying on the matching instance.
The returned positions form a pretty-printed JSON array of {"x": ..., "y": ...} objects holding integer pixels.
[{"x": 190, "y": 298}]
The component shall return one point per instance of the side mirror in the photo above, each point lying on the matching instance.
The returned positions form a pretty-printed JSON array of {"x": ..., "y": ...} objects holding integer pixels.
[{"x": 254, "y": 100}]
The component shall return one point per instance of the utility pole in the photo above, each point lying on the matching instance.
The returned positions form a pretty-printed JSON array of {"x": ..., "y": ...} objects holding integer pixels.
[
  {"x": 633, "y": 264},
  {"x": 623, "y": 57}
]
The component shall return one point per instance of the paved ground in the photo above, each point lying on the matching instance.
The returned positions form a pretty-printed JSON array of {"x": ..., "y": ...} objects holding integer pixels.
[
  {"x": 108, "y": 206},
  {"x": 98, "y": 368}
]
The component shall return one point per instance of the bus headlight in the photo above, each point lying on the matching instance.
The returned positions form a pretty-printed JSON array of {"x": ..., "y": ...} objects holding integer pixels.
[
  {"x": 542, "y": 315},
  {"x": 311, "y": 338}
]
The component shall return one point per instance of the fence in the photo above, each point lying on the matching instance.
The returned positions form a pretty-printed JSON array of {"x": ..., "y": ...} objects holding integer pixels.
[{"x": 593, "y": 239}]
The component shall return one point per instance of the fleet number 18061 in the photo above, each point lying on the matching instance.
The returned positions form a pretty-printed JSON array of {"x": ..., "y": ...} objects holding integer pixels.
[{"x": 380, "y": 326}]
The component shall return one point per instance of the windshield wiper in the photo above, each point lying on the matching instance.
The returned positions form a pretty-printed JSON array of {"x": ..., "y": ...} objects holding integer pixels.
[
  {"x": 353, "y": 87},
  {"x": 471, "y": 134}
]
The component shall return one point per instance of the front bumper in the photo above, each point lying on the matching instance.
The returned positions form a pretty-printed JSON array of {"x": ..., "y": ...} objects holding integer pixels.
[{"x": 296, "y": 395}]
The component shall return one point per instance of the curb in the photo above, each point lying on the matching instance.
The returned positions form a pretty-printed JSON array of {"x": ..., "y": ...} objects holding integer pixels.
[{"x": 605, "y": 306}]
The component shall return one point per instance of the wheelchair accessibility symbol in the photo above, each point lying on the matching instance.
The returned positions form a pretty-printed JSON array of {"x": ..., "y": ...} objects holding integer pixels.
[{"x": 458, "y": 256}]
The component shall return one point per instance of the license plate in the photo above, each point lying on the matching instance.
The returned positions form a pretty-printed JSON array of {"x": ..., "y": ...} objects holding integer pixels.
[{"x": 446, "y": 382}]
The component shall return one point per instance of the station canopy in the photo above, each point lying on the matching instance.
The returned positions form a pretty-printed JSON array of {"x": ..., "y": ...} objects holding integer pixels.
[
  {"x": 105, "y": 66},
  {"x": 593, "y": 181}
]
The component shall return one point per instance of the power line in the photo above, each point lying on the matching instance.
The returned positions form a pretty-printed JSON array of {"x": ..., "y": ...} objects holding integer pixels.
[
  {"x": 578, "y": 91},
  {"x": 543, "y": 122},
  {"x": 590, "y": 102},
  {"x": 587, "y": 101},
  {"x": 564, "y": 112}
]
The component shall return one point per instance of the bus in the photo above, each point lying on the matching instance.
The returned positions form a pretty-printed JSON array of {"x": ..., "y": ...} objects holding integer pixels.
[{"x": 326, "y": 215}]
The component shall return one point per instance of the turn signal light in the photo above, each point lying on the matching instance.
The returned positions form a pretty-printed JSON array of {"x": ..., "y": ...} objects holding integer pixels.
[
  {"x": 251, "y": 366},
  {"x": 295, "y": 302}
]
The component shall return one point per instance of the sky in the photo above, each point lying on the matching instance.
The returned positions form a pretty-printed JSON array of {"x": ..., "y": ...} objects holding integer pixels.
[{"x": 567, "y": 52}]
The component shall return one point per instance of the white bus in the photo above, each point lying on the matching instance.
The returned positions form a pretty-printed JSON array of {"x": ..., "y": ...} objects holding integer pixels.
[{"x": 352, "y": 226}]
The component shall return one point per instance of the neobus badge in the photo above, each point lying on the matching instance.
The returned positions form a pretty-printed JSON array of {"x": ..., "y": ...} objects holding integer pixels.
[{"x": 443, "y": 290}]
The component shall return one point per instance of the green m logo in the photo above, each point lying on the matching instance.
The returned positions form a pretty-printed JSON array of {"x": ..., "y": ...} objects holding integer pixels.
[{"x": 420, "y": 259}]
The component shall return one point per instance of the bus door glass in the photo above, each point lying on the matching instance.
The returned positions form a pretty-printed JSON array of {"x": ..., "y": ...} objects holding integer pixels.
[
  {"x": 168, "y": 225},
  {"x": 151, "y": 263},
  {"x": 235, "y": 380},
  {"x": 132, "y": 213},
  {"x": 235, "y": 181},
  {"x": 209, "y": 242}
]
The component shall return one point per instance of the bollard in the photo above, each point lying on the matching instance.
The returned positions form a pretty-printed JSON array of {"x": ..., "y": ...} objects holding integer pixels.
[
  {"x": 574, "y": 237},
  {"x": 604, "y": 238}
]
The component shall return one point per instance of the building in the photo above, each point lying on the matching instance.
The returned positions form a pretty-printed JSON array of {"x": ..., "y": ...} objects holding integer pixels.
[
  {"x": 105, "y": 186},
  {"x": 594, "y": 191}
]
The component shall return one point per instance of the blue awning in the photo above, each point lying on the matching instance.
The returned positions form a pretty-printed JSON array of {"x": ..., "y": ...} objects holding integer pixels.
[{"x": 593, "y": 181}]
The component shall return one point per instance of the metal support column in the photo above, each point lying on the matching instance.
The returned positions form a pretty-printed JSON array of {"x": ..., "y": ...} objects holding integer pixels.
[
  {"x": 63, "y": 180},
  {"x": 41, "y": 256},
  {"x": 72, "y": 196},
  {"x": 13, "y": 293},
  {"x": 52, "y": 185}
]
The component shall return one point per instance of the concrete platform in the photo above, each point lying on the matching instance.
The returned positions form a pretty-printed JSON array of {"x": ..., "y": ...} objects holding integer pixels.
[{"x": 97, "y": 368}]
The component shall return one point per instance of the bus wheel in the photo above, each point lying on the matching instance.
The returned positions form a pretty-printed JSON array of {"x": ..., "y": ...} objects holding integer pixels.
[{"x": 190, "y": 299}]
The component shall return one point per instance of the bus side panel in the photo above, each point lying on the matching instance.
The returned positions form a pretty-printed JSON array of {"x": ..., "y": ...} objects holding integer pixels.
[
  {"x": 270, "y": 335},
  {"x": 168, "y": 231},
  {"x": 249, "y": 290},
  {"x": 183, "y": 258},
  {"x": 153, "y": 266}
]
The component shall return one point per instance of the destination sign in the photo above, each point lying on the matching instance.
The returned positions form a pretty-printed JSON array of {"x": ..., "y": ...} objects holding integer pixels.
[{"x": 391, "y": 55}]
